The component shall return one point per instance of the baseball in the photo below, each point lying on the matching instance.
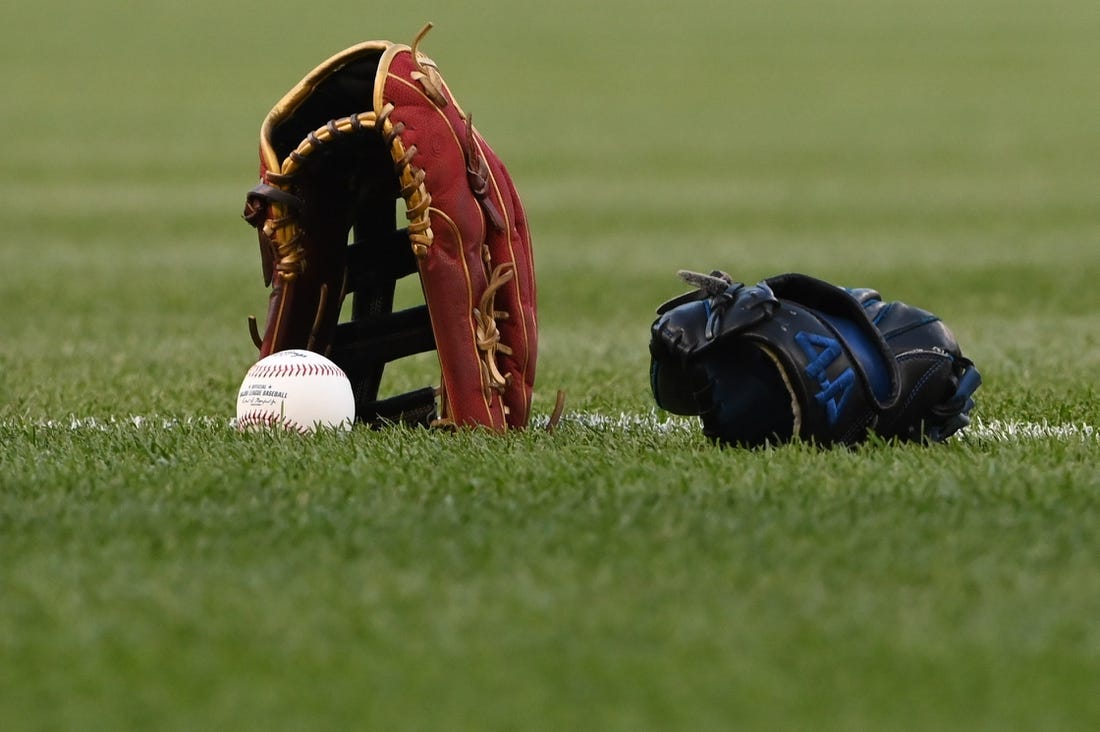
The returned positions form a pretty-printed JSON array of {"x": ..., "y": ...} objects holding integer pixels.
[{"x": 296, "y": 390}]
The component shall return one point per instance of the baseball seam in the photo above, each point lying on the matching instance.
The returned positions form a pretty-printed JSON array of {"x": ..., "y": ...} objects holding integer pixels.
[
  {"x": 268, "y": 371},
  {"x": 259, "y": 418}
]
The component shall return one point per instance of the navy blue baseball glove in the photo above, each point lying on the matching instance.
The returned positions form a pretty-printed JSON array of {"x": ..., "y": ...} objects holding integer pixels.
[{"x": 796, "y": 357}]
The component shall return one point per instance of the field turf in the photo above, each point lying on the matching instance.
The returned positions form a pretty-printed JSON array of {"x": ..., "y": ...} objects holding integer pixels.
[{"x": 159, "y": 570}]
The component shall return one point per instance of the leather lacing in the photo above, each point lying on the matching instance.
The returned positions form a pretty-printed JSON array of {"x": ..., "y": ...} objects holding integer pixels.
[
  {"x": 426, "y": 74},
  {"x": 487, "y": 338},
  {"x": 411, "y": 179},
  {"x": 488, "y": 341},
  {"x": 282, "y": 227},
  {"x": 486, "y": 332},
  {"x": 291, "y": 259},
  {"x": 284, "y": 210}
]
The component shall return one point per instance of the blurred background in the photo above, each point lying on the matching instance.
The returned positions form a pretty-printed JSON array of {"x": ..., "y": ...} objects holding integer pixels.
[{"x": 945, "y": 153}]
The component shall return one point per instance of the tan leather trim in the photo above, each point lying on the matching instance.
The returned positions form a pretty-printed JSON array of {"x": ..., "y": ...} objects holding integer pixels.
[
  {"x": 454, "y": 102},
  {"x": 383, "y": 73},
  {"x": 303, "y": 89},
  {"x": 796, "y": 408}
]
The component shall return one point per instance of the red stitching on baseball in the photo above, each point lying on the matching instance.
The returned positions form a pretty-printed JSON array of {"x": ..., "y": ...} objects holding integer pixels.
[
  {"x": 268, "y": 371},
  {"x": 257, "y": 418}
]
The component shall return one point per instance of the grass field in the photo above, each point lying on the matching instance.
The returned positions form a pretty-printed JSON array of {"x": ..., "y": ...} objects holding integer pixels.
[{"x": 160, "y": 571}]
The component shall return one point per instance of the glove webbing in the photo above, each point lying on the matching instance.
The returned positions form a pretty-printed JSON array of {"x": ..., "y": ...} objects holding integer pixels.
[{"x": 378, "y": 257}]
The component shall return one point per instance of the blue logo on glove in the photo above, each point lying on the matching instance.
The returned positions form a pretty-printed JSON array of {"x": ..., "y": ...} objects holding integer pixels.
[{"x": 822, "y": 351}]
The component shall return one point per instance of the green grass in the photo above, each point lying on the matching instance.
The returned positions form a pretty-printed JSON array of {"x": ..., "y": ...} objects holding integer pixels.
[{"x": 613, "y": 576}]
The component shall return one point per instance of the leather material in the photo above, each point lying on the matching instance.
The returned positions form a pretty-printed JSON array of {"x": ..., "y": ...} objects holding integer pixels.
[
  {"x": 372, "y": 126},
  {"x": 796, "y": 357}
]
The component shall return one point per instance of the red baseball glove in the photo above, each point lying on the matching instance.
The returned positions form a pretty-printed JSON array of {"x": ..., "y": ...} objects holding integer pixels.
[{"x": 371, "y": 126}]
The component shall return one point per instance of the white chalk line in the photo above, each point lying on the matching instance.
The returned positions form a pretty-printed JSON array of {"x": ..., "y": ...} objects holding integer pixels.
[
  {"x": 997, "y": 430},
  {"x": 993, "y": 430}
]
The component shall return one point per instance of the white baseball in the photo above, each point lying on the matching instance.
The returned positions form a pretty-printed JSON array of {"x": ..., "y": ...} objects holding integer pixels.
[{"x": 296, "y": 390}]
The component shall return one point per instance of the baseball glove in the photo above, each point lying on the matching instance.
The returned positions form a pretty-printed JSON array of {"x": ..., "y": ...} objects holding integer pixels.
[
  {"x": 372, "y": 127},
  {"x": 796, "y": 357}
]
